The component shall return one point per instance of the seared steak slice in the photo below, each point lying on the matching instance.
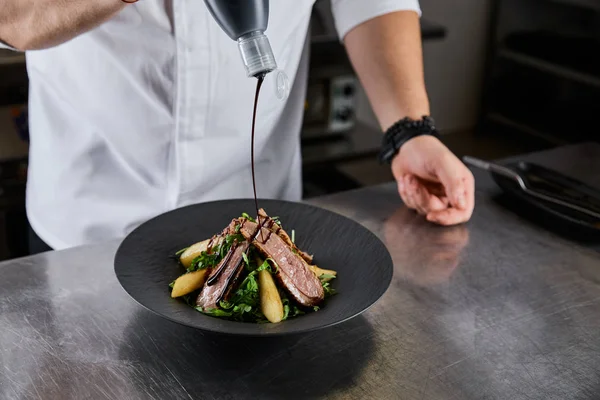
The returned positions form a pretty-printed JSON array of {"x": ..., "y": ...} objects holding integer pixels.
[
  {"x": 216, "y": 240},
  {"x": 293, "y": 272},
  {"x": 224, "y": 278},
  {"x": 283, "y": 234},
  {"x": 230, "y": 229}
]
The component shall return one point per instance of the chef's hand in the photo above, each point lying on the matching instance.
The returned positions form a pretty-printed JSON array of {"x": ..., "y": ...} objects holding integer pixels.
[{"x": 434, "y": 182}]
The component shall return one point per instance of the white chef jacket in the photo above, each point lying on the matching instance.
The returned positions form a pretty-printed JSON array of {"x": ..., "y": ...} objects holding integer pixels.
[{"x": 152, "y": 111}]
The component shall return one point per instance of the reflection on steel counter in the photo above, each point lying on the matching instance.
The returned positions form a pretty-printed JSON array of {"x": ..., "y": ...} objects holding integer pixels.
[{"x": 429, "y": 254}]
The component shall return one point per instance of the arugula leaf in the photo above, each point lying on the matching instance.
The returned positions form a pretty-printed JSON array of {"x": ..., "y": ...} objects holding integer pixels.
[
  {"x": 268, "y": 265},
  {"x": 276, "y": 220},
  {"x": 329, "y": 291},
  {"x": 229, "y": 239},
  {"x": 316, "y": 308},
  {"x": 212, "y": 259},
  {"x": 172, "y": 284},
  {"x": 190, "y": 299},
  {"x": 249, "y": 218},
  {"x": 215, "y": 312},
  {"x": 290, "y": 310},
  {"x": 244, "y": 304},
  {"x": 180, "y": 252},
  {"x": 203, "y": 261},
  {"x": 246, "y": 260},
  {"x": 326, "y": 276}
]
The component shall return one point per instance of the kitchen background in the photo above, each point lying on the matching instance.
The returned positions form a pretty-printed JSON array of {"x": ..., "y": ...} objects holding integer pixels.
[{"x": 504, "y": 77}]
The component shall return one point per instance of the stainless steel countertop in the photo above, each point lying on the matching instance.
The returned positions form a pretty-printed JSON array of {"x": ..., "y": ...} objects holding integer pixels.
[{"x": 495, "y": 309}]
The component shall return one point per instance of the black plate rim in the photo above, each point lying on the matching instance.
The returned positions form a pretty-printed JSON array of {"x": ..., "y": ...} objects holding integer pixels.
[{"x": 385, "y": 287}]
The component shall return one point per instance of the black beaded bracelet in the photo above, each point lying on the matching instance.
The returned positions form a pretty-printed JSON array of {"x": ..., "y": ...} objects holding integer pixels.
[{"x": 401, "y": 132}]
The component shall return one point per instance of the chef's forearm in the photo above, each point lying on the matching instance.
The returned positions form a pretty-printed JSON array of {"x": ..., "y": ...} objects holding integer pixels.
[
  {"x": 386, "y": 53},
  {"x": 40, "y": 24}
]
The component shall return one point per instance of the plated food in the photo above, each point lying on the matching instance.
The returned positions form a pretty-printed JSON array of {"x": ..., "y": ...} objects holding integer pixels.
[
  {"x": 252, "y": 271},
  {"x": 362, "y": 261}
]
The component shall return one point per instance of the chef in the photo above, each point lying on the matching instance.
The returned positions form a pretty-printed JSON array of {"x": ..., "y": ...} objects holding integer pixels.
[{"x": 138, "y": 108}]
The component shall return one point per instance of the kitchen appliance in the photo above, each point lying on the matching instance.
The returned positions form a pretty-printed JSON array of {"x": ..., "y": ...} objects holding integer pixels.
[{"x": 330, "y": 107}]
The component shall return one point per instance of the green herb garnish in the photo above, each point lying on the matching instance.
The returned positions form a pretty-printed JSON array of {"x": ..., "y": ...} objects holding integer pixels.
[
  {"x": 276, "y": 220},
  {"x": 290, "y": 310},
  {"x": 326, "y": 277},
  {"x": 215, "y": 312},
  {"x": 217, "y": 253},
  {"x": 268, "y": 264},
  {"x": 249, "y": 218},
  {"x": 329, "y": 291},
  {"x": 203, "y": 261},
  {"x": 244, "y": 304}
]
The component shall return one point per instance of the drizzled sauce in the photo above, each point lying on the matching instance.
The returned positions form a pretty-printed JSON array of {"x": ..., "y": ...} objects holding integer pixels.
[
  {"x": 266, "y": 223},
  {"x": 259, "y": 83},
  {"x": 228, "y": 287},
  {"x": 269, "y": 226},
  {"x": 215, "y": 276}
]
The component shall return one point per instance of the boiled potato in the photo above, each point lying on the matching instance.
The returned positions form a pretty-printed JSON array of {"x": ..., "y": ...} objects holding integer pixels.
[
  {"x": 318, "y": 272},
  {"x": 195, "y": 250},
  {"x": 270, "y": 301},
  {"x": 189, "y": 282}
]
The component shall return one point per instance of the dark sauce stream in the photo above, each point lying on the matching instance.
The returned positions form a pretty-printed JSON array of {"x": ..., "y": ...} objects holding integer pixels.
[
  {"x": 259, "y": 83},
  {"x": 222, "y": 265},
  {"x": 261, "y": 79}
]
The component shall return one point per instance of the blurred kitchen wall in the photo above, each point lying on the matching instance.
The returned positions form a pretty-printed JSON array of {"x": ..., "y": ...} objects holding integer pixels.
[{"x": 454, "y": 66}]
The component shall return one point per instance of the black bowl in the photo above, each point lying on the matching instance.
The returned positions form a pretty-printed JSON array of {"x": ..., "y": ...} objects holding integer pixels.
[{"x": 144, "y": 267}]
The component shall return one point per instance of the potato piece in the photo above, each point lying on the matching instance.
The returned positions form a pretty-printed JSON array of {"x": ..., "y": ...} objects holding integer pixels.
[
  {"x": 270, "y": 301},
  {"x": 194, "y": 251},
  {"x": 189, "y": 282},
  {"x": 318, "y": 272}
]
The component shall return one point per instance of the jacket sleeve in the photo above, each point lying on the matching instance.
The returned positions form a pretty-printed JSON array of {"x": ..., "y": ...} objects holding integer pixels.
[{"x": 351, "y": 13}]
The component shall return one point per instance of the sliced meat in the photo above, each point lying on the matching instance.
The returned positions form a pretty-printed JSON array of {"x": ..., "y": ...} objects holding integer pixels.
[
  {"x": 230, "y": 229},
  {"x": 278, "y": 230},
  {"x": 226, "y": 277},
  {"x": 216, "y": 240},
  {"x": 293, "y": 272}
]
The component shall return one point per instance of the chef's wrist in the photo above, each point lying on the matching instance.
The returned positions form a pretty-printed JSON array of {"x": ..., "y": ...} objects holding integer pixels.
[{"x": 402, "y": 132}]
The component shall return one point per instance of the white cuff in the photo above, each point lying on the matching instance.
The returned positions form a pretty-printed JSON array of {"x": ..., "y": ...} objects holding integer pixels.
[{"x": 350, "y": 13}]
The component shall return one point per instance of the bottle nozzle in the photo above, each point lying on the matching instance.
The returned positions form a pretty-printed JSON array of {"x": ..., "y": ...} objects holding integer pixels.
[{"x": 257, "y": 54}]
